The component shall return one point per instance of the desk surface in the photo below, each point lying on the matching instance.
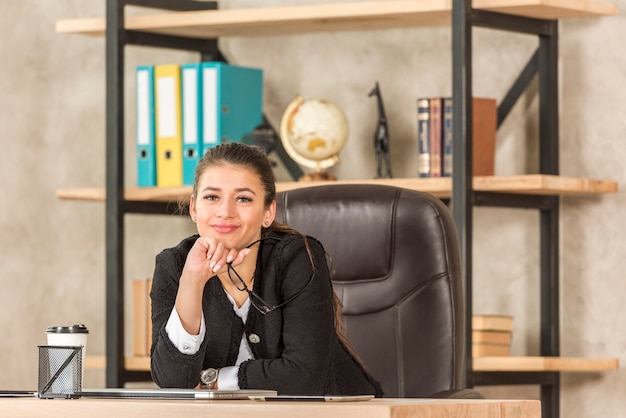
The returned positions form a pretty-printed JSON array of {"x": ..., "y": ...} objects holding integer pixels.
[{"x": 376, "y": 408}]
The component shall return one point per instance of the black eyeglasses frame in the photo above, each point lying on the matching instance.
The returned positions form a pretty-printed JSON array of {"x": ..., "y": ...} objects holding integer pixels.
[{"x": 255, "y": 300}]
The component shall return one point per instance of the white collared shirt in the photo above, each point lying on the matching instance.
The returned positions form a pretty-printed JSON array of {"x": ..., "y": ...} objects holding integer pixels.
[{"x": 190, "y": 344}]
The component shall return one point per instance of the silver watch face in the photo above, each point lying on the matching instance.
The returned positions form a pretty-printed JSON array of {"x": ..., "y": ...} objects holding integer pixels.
[{"x": 208, "y": 376}]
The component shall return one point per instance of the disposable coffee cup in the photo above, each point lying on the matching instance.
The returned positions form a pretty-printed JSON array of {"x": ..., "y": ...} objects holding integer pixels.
[{"x": 69, "y": 336}]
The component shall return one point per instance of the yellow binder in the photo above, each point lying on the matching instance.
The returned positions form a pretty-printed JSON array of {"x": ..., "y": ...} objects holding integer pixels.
[{"x": 169, "y": 142}]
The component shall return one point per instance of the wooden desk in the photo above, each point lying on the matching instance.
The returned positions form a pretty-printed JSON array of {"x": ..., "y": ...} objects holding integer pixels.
[{"x": 377, "y": 408}]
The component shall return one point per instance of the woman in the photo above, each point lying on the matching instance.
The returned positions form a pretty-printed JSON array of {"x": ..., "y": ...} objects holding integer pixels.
[{"x": 247, "y": 302}]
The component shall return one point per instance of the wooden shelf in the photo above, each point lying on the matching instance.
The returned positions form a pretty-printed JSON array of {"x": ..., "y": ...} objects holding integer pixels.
[
  {"x": 549, "y": 9},
  {"x": 491, "y": 364},
  {"x": 534, "y": 184},
  {"x": 211, "y": 24},
  {"x": 544, "y": 364}
]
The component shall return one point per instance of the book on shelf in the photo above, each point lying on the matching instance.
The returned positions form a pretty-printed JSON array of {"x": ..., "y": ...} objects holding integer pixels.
[
  {"x": 484, "y": 126},
  {"x": 435, "y": 140},
  {"x": 423, "y": 137},
  {"x": 483, "y": 350},
  {"x": 491, "y": 337},
  {"x": 142, "y": 321},
  {"x": 492, "y": 322},
  {"x": 446, "y": 137}
]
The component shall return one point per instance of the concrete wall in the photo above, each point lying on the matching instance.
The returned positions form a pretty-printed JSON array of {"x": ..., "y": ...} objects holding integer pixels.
[{"x": 52, "y": 120}]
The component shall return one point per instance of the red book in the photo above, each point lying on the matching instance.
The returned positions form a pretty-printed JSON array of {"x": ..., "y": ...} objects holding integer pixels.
[{"x": 435, "y": 137}]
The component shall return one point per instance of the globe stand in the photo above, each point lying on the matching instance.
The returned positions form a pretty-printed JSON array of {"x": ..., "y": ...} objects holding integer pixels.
[{"x": 317, "y": 176}]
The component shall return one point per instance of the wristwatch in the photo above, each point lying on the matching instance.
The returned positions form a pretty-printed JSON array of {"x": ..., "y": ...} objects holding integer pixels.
[{"x": 208, "y": 377}]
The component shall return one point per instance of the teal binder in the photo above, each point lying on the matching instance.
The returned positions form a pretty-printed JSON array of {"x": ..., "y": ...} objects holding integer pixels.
[
  {"x": 191, "y": 80},
  {"x": 232, "y": 103},
  {"x": 146, "y": 151}
]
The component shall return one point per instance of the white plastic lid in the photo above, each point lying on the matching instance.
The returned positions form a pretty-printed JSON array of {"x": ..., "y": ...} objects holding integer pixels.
[{"x": 74, "y": 329}]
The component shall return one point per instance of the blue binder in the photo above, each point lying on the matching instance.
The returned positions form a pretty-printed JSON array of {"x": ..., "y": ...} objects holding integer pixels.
[
  {"x": 191, "y": 80},
  {"x": 232, "y": 103},
  {"x": 146, "y": 152}
]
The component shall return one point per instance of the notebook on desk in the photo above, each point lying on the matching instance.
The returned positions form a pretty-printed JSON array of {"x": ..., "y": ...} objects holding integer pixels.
[{"x": 197, "y": 394}]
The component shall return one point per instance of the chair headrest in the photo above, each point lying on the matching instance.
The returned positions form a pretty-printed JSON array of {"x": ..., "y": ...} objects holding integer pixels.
[{"x": 372, "y": 232}]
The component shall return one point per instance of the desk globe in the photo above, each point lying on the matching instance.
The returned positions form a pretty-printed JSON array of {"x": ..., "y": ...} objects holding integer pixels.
[{"x": 313, "y": 132}]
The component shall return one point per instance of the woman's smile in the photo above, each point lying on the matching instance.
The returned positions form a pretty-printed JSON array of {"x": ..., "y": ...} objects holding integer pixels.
[{"x": 224, "y": 228}]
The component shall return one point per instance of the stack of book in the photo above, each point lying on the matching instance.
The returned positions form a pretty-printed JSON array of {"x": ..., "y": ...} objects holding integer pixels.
[
  {"x": 434, "y": 134},
  {"x": 491, "y": 335}
]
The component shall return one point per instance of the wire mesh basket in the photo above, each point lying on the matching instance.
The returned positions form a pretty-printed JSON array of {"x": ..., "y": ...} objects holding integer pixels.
[{"x": 60, "y": 371}]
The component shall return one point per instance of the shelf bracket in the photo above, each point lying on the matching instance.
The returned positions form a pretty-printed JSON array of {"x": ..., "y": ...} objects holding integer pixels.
[{"x": 518, "y": 88}]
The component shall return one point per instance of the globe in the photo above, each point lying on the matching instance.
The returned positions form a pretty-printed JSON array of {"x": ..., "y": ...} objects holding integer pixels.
[{"x": 313, "y": 132}]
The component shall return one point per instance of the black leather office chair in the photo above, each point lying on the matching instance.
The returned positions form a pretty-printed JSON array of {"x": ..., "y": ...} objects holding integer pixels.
[{"x": 397, "y": 271}]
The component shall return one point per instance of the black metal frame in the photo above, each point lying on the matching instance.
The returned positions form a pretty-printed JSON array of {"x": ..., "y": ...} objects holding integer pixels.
[{"x": 544, "y": 64}]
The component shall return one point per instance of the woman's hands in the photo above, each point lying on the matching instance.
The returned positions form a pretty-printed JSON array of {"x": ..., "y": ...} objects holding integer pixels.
[{"x": 207, "y": 258}]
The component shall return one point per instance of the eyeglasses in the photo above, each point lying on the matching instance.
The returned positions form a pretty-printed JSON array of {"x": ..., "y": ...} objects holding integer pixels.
[{"x": 255, "y": 300}]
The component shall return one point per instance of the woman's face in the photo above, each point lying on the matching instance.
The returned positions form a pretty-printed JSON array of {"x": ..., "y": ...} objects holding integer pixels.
[{"x": 230, "y": 205}]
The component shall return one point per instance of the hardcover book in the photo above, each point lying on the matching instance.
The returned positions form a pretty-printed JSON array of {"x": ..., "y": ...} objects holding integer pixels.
[
  {"x": 436, "y": 140},
  {"x": 492, "y": 322},
  {"x": 491, "y": 337},
  {"x": 484, "y": 125},
  {"x": 481, "y": 350},
  {"x": 423, "y": 137}
]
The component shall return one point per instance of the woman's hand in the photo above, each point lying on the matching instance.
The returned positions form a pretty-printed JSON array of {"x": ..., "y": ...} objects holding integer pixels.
[{"x": 208, "y": 257}]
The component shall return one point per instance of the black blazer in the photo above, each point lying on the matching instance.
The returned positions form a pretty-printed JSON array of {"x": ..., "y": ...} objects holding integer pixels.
[{"x": 296, "y": 350}]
